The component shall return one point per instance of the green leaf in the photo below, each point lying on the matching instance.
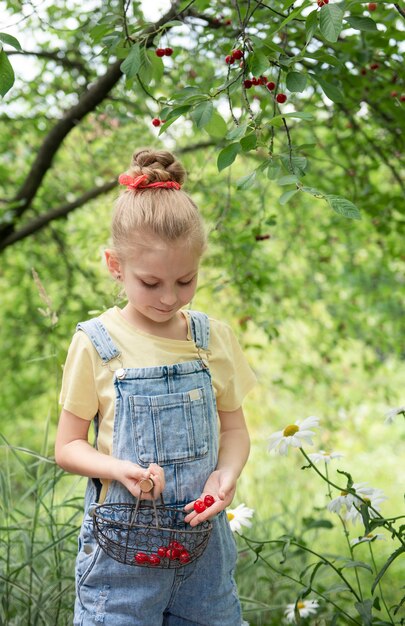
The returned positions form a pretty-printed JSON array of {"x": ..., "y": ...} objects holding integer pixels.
[
  {"x": 288, "y": 180},
  {"x": 246, "y": 181},
  {"x": 98, "y": 32},
  {"x": 145, "y": 70},
  {"x": 237, "y": 132},
  {"x": 287, "y": 195},
  {"x": 216, "y": 127},
  {"x": 277, "y": 120},
  {"x": 344, "y": 207},
  {"x": 227, "y": 156},
  {"x": 330, "y": 21},
  {"x": 249, "y": 142},
  {"x": 130, "y": 67},
  {"x": 173, "y": 23},
  {"x": 273, "y": 171},
  {"x": 258, "y": 62},
  {"x": 311, "y": 24},
  {"x": 313, "y": 192},
  {"x": 6, "y": 74},
  {"x": 351, "y": 563},
  {"x": 157, "y": 66},
  {"x": 10, "y": 40},
  {"x": 331, "y": 91},
  {"x": 172, "y": 116},
  {"x": 272, "y": 47},
  {"x": 296, "y": 164},
  {"x": 291, "y": 16},
  {"x": 386, "y": 565},
  {"x": 296, "y": 81},
  {"x": 361, "y": 23},
  {"x": 202, "y": 113},
  {"x": 364, "y": 609},
  {"x": 310, "y": 523},
  {"x": 177, "y": 112}
]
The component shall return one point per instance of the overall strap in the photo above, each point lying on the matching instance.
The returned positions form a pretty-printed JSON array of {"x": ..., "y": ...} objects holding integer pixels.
[
  {"x": 100, "y": 338},
  {"x": 200, "y": 329}
]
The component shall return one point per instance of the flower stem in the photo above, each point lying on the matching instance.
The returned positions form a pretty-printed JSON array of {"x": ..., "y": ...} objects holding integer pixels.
[
  {"x": 379, "y": 584},
  {"x": 250, "y": 543},
  {"x": 384, "y": 522}
]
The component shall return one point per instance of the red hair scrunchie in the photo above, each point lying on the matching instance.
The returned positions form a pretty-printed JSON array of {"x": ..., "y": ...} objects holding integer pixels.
[{"x": 139, "y": 182}]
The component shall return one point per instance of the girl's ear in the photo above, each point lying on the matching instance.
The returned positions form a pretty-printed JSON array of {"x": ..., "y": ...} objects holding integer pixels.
[{"x": 113, "y": 264}]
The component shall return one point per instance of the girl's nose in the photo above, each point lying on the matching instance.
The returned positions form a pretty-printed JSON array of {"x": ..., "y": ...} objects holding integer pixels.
[{"x": 169, "y": 297}]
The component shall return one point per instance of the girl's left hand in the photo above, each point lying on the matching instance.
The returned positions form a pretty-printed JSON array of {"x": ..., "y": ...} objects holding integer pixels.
[{"x": 221, "y": 485}]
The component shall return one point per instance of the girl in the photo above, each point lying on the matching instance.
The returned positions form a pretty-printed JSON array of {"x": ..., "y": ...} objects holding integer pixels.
[{"x": 155, "y": 377}]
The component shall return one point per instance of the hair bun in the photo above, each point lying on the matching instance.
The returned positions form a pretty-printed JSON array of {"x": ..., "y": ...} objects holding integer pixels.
[{"x": 158, "y": 165}]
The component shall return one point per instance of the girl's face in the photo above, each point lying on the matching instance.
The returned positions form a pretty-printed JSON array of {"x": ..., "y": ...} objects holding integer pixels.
[{"x": 159, "y": 278}]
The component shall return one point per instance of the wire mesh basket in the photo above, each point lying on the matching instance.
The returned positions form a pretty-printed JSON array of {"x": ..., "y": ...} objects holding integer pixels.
[{"x": 147, "y": 534}]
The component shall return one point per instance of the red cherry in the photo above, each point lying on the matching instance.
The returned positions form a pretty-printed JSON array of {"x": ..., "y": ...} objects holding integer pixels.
[
  {"x": 173, "y": 553},
  {"x": 363, "y": 71},
  {"x": 237, "y": 54},
  {"x": 270, "y": 85},
  {"x": 229, "y": 60},
  {"x": 141, "y": 557},
  {"x": 374, "y": 66},
  {"x": 247, "y": 83},
  {"x": 199, "y": 506},
  {"x": 209, "y": 500},
  {"x": 184, "y": 557},
  {"x": 156, "y": 121},
  {"x": 228, "y": 22},
  {"x": 154, "y": 559},
  {"x": 320, "y": 3},
  {"x": 255, "y": 80},
  {"x": 372, "y": 6},
  {"x": 162, "y": 551},
  {"x": 160, "y": 52},
  {"x": 394, "y": 94},
  {"x": 325, "y": 1},
  {"x": 402, "y": 98},
  {"x": 168, "y": 52},
  {"x": 281, "y": 98}
]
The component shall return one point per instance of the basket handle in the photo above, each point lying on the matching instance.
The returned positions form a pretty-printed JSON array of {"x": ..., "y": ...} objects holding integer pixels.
[{"x": 149, "y": 485}]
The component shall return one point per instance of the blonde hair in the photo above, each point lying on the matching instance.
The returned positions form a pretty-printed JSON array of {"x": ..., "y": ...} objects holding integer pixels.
[{"x": 169, "y": 214}]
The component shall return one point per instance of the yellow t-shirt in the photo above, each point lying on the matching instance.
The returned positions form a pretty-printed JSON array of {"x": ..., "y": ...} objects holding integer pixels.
[{"x": 87, "y": 385}]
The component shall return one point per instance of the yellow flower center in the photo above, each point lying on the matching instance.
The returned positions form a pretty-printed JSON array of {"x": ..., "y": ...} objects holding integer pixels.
[
  {"x": 290, "y": 430},
  {"x": 367, "y": 501},
  {"x": 370, "y": 535},
  {"x": 344, "y": 493},
  {"x": 230, "y": 516},
  {"x": 300, "y": 605}
]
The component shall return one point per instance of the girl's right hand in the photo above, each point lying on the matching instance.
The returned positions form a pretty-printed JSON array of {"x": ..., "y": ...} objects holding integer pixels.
[{"x": 130, "y": 474}]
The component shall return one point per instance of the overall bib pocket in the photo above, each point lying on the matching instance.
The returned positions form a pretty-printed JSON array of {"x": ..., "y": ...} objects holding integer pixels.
[{"x": 170, "y": 428}]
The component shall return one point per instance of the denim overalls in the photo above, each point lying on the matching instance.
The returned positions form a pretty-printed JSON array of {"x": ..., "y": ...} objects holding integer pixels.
[{"x": 165, "y": 415}]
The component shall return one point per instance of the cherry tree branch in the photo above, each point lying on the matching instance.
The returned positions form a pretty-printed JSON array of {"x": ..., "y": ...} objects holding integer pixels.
[{"x": 53, "y": 141}]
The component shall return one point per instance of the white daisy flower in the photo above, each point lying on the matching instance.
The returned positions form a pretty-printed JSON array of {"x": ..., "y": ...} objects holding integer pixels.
[
  {"x": 391, "y": 415},
  {"x": 327, "y": 457},
  {"x": 305, "y": 609},
  {"x": 239, "y": 517},
  {"x": 374, "y": 500},
  {"x": 293, "y": 435},
  {"x": 347, "y": 505},
  {"x": 367, "y": 538}
]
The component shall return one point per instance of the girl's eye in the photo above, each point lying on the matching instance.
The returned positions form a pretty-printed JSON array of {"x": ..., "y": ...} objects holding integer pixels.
[
  {"x": 149, "y": 285},
  {"x": 187, "y": 282}
]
